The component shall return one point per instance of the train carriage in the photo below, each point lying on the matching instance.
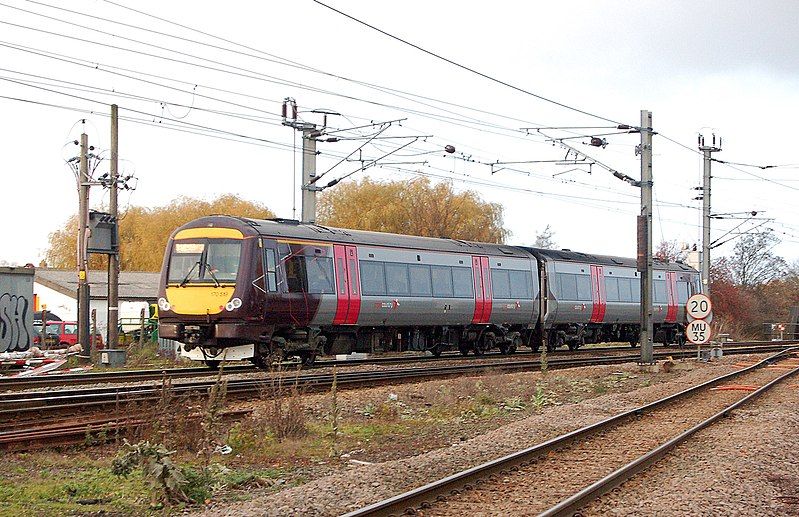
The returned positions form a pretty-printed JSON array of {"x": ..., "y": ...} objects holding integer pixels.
[
  {"x": 597, "y": 298},
  {"x": 237, "y": 288},
  {"x": 240, "y": 288}
]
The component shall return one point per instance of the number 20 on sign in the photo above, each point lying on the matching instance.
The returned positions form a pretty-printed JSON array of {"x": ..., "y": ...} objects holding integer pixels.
[{"x": 698, "y": 332}]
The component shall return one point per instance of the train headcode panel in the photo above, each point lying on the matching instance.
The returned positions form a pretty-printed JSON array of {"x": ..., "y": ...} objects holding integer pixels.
[
  {"x": 698, "y": 332},
  {"x": 698, "y": 307}
]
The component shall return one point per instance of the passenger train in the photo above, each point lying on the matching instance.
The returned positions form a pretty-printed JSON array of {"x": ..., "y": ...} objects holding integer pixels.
[{"x": 235, "y": 288}]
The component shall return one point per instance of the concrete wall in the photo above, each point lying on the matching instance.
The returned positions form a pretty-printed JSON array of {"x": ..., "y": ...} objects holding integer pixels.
[{"x": 16, "y": 309}]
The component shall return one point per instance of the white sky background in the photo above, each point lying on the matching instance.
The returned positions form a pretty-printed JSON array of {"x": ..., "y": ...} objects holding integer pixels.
[{"x": 732, "y": 66}]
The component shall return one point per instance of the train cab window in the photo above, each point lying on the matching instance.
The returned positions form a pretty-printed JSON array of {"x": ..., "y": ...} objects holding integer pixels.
[
  {"x": 420, "y": 280},
  {"x": 270, "y": 270},
  {"x": 296, "y": 279},
  {"x": 520, "y": 284},
  {"x": 373, "y": 279},
  {"x": 462, "y": 282},
  {"x": 397, "y": 282},
  {"x": 660, "y": 291},
  {"x": 500, "y": 283},
  {"x": 584, "y": 288},
  {"x": 612, "y": 289},
  {"x": 222, "y": 260},
  {"x": 320, "y": 274},
  {"x": 442, "y": 281}
]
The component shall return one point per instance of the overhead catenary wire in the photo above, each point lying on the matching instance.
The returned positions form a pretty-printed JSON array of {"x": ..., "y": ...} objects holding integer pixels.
[{"x": 469, "y": 69}]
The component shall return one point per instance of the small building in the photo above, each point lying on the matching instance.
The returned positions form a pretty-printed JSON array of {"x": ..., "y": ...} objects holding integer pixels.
[
  {"x": 57, "y": 291},
  {"x": 16, "y": 309}
]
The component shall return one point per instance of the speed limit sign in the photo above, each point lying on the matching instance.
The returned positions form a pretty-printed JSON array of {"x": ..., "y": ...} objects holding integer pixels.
[
  {"x": 698, "y": 307},
  {"x": 698, "y": 332}
]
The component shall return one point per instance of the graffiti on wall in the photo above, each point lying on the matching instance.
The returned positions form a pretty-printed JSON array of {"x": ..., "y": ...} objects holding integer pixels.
[{"x": 14, "y": 333}]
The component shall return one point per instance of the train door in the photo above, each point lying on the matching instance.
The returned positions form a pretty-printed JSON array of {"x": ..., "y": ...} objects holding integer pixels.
[
  {"x": 598, "y": 296},
  {"x": 348, "y": 292},
  {"x": 482, "y": 290},
  {"x": 671, "y": 289}
]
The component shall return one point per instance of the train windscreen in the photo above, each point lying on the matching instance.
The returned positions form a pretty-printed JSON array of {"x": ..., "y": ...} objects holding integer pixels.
[{"x": 204, "y": 260}]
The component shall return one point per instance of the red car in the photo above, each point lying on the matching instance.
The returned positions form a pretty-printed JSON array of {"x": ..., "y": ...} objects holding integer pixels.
[{"x": 62, "y": 334}]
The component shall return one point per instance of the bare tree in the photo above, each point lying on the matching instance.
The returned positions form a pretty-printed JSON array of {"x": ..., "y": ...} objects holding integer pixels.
[
  {"x": 752, "y": 262},
  {"x": 545, "y": 239},
  {"x": 670, "y": 251}
]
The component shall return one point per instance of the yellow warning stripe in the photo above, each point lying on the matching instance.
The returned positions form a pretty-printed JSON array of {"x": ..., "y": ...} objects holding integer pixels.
[{"x": 214, "y": 233}]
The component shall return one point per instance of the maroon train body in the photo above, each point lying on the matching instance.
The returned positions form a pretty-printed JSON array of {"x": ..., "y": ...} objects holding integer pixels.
[{"x": 236, "y": 288}]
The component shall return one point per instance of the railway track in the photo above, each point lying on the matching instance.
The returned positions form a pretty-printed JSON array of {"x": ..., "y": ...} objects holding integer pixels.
[
  {"x": 608, "y": 452},
  {"x": 42, "y": 413},
  {"x": 20, "y": 383}
]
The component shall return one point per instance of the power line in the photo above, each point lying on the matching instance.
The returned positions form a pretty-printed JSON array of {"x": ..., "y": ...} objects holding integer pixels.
[
  {"x": 189, "y": 124},
  {"x": 464, "y": 67}
]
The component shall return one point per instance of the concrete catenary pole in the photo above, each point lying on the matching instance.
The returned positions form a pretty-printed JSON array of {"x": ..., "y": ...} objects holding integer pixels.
[
  {"x": 645, "y": 238},
  {"x": 83, "y": 260},
  {"x": 707, "y": 150},
  {"x": 113, "y": 258},
  {"x": 309, "y": 188}
]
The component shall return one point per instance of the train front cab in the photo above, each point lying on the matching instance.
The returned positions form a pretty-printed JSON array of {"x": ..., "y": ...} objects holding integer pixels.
[{"x": 206, "y": 301}]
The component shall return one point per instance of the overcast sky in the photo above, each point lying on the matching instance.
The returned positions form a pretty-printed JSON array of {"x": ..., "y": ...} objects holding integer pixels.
[{"x": 731, "y": 67}]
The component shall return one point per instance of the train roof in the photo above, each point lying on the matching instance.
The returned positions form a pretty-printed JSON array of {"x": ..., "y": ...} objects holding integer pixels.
[
  {"x": 602, "y": 260},
  {"x": 292, "y": 229}
]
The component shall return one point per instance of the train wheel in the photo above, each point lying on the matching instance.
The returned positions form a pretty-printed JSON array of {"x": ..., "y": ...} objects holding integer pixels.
[
  {"x": 213, "y": 365},
  {"x": 437, "y": 348},
  {"x": 307, "y": 358},
  {"x": 464, "y": 350},
  {"x": 504, "y": 348}
]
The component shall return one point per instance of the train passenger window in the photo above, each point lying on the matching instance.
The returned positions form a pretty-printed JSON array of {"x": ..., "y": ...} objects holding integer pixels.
[
  {"x": 660, "y": 291},
  {"x": 373, "y": 278},
  {"x": 341, "y": 275},
  {"x": 584, "y": 288},
  {"x": 612, "y": 289},
  {"x": 442, "y": 281},
  {"x": 625, "y": 289},
  {"x": 520, "y": 284},
  {"x": 462, "y": 282},
  {"x": 320, "y": 274},
  {"x": 397, "y": 279},
  {"x": 500, "y": 283},
  {"x": 271, "y": 274},
  {"x": 682, "y": 293},
  {"x": 568, "y": 286},
  {"x": 636, "y": 287},
  {"x": 420, "y": 280}
]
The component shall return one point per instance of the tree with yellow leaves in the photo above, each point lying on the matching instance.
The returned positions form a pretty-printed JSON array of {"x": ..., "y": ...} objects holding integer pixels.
[
  {"x": 412, "y": 208},
  {"x": 143, "y": 232}
]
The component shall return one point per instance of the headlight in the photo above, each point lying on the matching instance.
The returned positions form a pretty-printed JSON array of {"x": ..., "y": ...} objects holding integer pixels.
[
  {"x": 233, "y": 304},
  {"x": 163, "y": 304}
]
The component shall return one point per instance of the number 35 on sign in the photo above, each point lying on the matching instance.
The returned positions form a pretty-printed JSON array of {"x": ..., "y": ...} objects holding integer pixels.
[{"x": 698, "y": 332}]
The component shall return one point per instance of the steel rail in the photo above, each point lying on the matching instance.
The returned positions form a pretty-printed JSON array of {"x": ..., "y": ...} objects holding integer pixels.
[
  {"x": 573, "y": 503},
  {"x": 33, "y": 400},
  {"x": 420, "y": 497},
  {"x": 104, "y": 397},
  {"x": 19, "y": 383}
]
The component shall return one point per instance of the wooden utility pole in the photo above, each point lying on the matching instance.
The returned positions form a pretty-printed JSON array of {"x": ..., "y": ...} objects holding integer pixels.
[
  {"x": 113, "y": 258},
  {"x": 83, "y": 255}
]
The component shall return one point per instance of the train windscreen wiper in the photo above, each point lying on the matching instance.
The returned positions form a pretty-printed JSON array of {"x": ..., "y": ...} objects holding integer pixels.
[
  {"x": 186, "y": 278},
  {"x": 210, "y": 271}
]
